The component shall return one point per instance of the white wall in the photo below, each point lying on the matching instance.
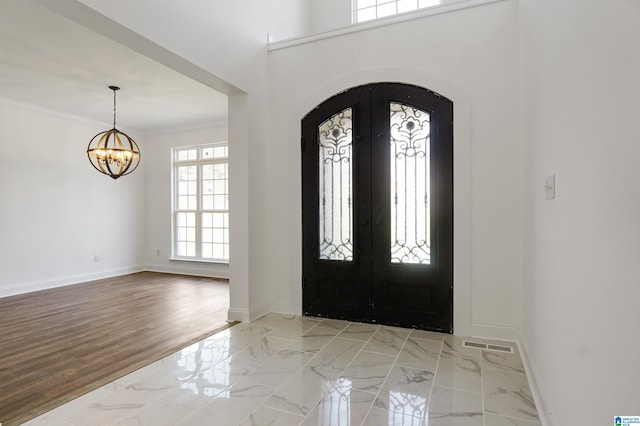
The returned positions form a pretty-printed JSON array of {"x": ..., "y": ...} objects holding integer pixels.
[
  {"x": 326, "y": 15},
  {"x": 580, "y": 68},
  {"x": 158, "y": 177},
  {"x": 57, "y": 212},
  {"x": 470, "y": 56}
]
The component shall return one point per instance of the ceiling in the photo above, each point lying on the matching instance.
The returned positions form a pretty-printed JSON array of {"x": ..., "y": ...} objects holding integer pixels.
[{"x": 48, "y": 61}]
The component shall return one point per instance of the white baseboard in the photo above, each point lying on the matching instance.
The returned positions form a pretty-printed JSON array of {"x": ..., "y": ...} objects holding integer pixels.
[
  {"x": 191, "y": 268},
  {"x": 259, "y": 310},
  {"x": 495, "y": 332},
  {"x": 32, "y": 286},
  {"x": 535, "y": 384},
  {"x": 280, "y": 308},
  {"x": 255, "y": 312},
  {"x": 237, "y": 314}
]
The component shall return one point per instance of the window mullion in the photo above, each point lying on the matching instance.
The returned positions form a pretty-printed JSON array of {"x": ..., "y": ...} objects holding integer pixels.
[{"x": 199, "y": 210}]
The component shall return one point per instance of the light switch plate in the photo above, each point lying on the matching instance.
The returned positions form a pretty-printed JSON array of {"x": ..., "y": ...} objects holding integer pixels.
[{"x": 550, "y": 187}]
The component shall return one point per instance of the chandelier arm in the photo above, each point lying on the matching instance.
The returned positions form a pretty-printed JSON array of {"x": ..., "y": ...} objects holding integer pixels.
[
  {"x": 117, "y": 142},
  {"x": 108, "y": 163},
  {"x": 133, "y": 151}
]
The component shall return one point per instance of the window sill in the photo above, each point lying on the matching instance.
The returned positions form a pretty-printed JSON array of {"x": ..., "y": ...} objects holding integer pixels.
[{"x": 197, "y": 260}]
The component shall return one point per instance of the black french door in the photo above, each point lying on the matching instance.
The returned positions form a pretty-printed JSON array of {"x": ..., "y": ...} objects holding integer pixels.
[{"x": 377, "y": 206}]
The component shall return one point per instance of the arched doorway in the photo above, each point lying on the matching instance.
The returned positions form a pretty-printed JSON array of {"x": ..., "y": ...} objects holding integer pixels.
[{"x": 377, "y": 204}]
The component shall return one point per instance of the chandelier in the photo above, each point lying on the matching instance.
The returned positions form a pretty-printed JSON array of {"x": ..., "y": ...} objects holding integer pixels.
[{"x": 112, "y": 152}]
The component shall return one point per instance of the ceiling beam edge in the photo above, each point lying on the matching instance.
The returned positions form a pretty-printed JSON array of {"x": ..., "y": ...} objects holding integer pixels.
[{"x": 95, "y": 21}]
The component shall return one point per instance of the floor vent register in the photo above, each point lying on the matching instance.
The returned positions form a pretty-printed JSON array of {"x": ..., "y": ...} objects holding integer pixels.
[{"x": 488, "y": 346}]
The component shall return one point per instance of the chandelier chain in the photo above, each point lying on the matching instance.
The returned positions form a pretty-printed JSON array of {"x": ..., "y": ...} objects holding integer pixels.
[{"x": 114, "y": 108}]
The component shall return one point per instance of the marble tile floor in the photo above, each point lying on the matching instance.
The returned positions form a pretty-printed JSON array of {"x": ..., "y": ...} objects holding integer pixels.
[{"x": 290, "y": 370}]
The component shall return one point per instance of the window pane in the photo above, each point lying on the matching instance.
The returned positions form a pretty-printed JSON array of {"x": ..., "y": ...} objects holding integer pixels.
[
  {"x": 366, "y": 3},
  {"x": 214, "y": 152},
  {"x": 410, "y": 185},
  {"x": 207, "y": 171},
  {"x": 207, "y": 220},
  {"x": 429, "y": 3},
  {"x": 220, "y": 171},
  {"x": 219, "y": 202},
  {"x": 207, "y": 235},
  {"x": 193, "y": 202},
  {"x": 217, "y": 220},
  {"x": 214, "y": 235},
  {"x": 186, "y": 154},
  {"x": 217, "y": 235},
  {"x": 187, "y": 187},
  {"x": 220, "y": 152},
  {"x": 220, "y": 186},
  {"x": 207, "y": 187},
  {"x": 388, "y": 9},
  {"x": 407, "y": 5},
  {"x": 218, "y": 251},
  {"x": 186, "y": 219},
  {"x": 335, "y": 189},
  {"x": 183, "y": 203},
  {"x": 207, "y": 202},
  {"x": 187, "y": 173},
  {"x": 185, "y": 234},
  {"x": 182, "y": 248},
  {"x": 367, "y": 14}
]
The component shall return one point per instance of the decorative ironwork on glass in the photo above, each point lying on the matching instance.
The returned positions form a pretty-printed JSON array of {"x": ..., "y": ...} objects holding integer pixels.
[
  {"x": 335, "y": 190},
  {"x": 410, "y": 185},
  {"x": 336, "y": 404}
]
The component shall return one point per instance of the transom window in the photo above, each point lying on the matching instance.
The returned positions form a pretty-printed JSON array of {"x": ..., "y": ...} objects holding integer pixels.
[
  {"x": 367, "y": 10},
  {"x": 201, "y": 203}
]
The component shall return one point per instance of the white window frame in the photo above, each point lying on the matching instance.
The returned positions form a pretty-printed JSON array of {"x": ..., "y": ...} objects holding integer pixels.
[
  {"x": 378, "y": 4},
  {"x": 199, "y": 211}
]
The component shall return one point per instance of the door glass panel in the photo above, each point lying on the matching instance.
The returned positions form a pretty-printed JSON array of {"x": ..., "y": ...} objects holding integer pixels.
[
  {"x": 335, "y": 189},
  {"x": 410, "y": 185}
]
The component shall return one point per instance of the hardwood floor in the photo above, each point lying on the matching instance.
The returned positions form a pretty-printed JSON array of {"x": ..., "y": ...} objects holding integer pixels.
[{"x": 58, "y": 344}]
